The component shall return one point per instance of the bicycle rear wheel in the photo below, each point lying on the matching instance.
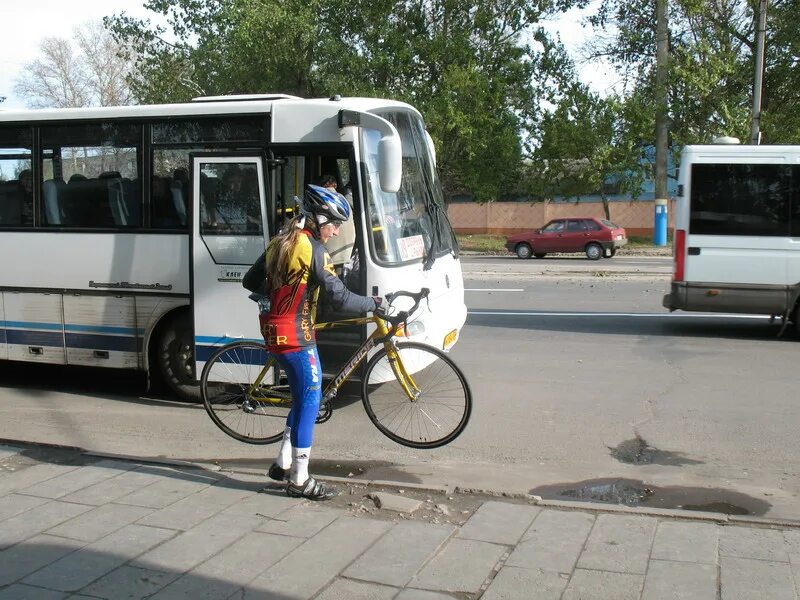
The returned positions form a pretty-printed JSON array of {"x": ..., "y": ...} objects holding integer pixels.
[
  {"x": 247, "y": 411},
  {"x": 443, "y": 402}
]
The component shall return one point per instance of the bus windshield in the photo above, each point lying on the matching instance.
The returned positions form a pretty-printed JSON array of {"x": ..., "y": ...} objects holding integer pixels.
[{"x": 412, "y": 223}]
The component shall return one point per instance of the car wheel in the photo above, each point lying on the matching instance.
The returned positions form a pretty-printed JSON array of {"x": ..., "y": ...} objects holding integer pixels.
[
  {"x": 540, "y": 254},
  {"x": 594, "y": 251},
  {"x": 523, "y": 251}
]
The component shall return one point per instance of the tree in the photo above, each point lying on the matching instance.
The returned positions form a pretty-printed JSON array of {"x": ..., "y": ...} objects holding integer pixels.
[
  {"x": 711, "y": 64},
  {"x": 585, "y": 145},
  {"x": 475, "y": 68},
  {"x": 84, "y": 71}
]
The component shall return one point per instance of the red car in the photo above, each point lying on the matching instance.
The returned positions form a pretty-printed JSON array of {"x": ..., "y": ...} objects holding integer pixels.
[{"x": 595, "y": 237}]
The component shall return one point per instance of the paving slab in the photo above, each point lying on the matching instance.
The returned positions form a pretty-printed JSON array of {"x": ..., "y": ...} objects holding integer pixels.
[
  {"x": 21, "y": 527},
  {"x": 23, "y": 559},
  {"x": 462, "y": 566},
  {"x": 761, "y": 544},
  {"x": 513, "y": 583},
  {"x": 82, "y": 567},
  {"x": 330, "y": 551},
  {"x": 269, "y": 503},
  {"x": 399, "y": 555},
  {"x": 18, "y": 480},
  {"x": 166, "y": 490},
  {"x": 301, "y": 520},
  {"x": 194, "y": 546},
  {"x": 99, "y": 522},
  {"x": 27, "y": 592},
  {"x": 499, "y": 522},
  {"x": 12, "y": 505},
  {"x": 412, "y": 594},
  {"x": 619, "y": 543},
  {"x": 603, "y": 585},
  {"x": 686, "y": 542},
  {"x": 680, "y": 581},
  {"x": 192, "y": 510},
  {"x": 750, "y": 579},
  {"x": 553, "y": 542},
  {"x": 129, "y": 583},
  {"x": 77, "y": 479},
  {"x": 347, "y": 589},
  {"x": 115, "y": 487},
  {"x": 225, "y": 573}
]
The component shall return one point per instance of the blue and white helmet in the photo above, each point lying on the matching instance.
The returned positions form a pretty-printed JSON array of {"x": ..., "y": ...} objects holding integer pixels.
[{"x": 326, "y": 203}]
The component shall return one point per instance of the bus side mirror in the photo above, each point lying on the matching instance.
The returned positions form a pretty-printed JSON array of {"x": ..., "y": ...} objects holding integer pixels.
[{"x": 390, "y": 163}]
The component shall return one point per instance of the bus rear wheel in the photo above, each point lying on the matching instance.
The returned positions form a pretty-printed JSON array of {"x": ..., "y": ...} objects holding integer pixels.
[{"x": 175, "y": 357}]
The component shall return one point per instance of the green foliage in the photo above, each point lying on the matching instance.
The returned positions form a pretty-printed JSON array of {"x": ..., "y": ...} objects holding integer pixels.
[
  {"x": 711, "y": 65},
  {"x": 475, "y": 69}
]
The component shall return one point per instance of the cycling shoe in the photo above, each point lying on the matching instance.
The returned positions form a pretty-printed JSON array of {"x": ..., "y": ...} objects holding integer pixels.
[
  {"x": 277, "y": 473},
  {"x": 311, "y": 489}
]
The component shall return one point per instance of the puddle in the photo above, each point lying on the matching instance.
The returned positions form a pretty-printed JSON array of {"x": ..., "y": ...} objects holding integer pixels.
[
  {"x": 638, "y": 452},
  {"x": 631, "y": 492}
]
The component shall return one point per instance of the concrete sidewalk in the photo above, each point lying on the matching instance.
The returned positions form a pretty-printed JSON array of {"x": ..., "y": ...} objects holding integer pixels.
[{"x": 78, "y": 526}]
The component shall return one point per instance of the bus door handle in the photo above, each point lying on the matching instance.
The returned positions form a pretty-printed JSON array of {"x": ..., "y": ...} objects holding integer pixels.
[
  {"x": 36, "y": 350},
  {"x": 693, "y": 251},
  {"x": 101, "y": 353}
]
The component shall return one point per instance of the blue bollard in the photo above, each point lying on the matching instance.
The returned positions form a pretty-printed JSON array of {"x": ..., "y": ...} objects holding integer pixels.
[{"x": 660, "y": 224}]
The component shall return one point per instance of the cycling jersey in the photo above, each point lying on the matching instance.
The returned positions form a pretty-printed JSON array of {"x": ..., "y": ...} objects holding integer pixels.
[{"x": 289, "y": 324}]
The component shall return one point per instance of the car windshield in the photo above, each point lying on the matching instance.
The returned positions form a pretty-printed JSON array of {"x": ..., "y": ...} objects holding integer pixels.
[
  {"x": 556, "y": 226},
  {"x": 608, "y": 223},
  {"x": 411, "y": 224}
]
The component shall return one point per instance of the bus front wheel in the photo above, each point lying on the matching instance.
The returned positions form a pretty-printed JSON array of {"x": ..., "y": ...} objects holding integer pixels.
[{"x": 175, "y": 356}]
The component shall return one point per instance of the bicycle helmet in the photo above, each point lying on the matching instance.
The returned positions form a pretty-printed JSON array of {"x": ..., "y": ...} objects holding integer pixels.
[{"x": 325, "y": 203}]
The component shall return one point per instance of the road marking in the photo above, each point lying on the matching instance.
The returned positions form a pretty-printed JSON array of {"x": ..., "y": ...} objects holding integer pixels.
[
  {"x": 512, "y": 313},
  {"x": 494, "y": 290}
]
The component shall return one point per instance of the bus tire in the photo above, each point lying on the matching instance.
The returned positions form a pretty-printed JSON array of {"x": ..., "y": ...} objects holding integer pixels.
[{"x": 175, "y": 356}]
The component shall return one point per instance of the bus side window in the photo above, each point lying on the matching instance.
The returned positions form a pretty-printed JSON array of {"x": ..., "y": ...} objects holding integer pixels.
[{"x": 16, "y": 179}]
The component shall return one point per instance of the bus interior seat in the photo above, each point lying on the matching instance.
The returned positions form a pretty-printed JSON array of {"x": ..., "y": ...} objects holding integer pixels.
[
  {"x": 54, "y": 192},
  {"x": 179, "y": 200},
  {"x": 10, "y": 203},
  {"x": 87, "y": 204}
]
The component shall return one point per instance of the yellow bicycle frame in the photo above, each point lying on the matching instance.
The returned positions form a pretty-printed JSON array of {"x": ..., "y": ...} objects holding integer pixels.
[{"x": 383, "y": 333}]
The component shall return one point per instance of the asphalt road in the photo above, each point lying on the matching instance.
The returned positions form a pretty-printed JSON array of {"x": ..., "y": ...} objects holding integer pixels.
[{"x": 577, "y": 374}]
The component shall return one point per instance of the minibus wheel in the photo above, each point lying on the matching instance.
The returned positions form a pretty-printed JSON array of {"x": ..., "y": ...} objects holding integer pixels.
[{"x": 175, "y": 356}]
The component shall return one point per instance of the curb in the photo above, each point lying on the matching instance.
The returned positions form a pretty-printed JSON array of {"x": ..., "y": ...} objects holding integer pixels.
[{"x": 670, "y": 513}]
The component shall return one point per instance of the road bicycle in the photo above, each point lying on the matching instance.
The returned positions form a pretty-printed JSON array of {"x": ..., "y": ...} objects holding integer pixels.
[{"x": 413, "y": 393}]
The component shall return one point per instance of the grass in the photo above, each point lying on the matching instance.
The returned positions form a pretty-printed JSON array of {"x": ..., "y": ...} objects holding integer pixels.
[{"x": 492, "y": 243}]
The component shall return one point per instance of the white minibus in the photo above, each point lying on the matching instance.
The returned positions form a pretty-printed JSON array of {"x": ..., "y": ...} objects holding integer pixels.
[
  {"x": 737, "y": 231},
  {"x": 125, "y": 231}
]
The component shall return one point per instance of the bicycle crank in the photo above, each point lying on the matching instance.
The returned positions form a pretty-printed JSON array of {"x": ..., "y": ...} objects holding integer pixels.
[{"x": 325, "y": 412}]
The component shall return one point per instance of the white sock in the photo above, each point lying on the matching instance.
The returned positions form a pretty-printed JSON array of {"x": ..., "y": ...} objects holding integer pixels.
[
  {"x": 299, "y": 473},
  {"x": 284, "y": 460}
]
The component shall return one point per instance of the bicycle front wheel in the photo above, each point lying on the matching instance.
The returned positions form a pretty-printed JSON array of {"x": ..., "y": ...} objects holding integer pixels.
[
  {"x": 423, "y": 401},
  {"x": 245, "y": 393}
]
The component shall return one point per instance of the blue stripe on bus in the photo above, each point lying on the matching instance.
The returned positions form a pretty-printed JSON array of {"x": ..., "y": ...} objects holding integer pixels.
[
  {"x": 34, "y": 338},
  {"x": 115, "y": 343},
  {"x": 247, "y": 356},
  {"x": 71, "y": 327}
]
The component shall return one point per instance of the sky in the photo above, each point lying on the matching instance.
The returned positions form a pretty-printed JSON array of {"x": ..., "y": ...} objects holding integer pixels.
[{"x": 33, "y": 20}]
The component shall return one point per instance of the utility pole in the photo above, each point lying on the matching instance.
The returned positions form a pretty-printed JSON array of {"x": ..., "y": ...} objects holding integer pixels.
[
  {"x": 662, "y": 124},
  {"x": 761, "y": 34}
]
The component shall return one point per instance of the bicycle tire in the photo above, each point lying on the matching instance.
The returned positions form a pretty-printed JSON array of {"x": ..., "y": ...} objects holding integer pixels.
[
  {"x": 445, "y": 395},
  {"x": 241, "y": 415}
]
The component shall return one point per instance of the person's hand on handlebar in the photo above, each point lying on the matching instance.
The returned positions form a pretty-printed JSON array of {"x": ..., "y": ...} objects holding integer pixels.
[{"x": 381, "y": 304}]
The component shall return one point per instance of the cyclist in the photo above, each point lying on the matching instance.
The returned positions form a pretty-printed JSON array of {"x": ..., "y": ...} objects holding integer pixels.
[{"x": 296, "y": 265}]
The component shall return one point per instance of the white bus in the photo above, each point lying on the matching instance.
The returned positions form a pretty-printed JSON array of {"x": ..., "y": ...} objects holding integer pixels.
[
  {"x": 737, "y": 231},
  {"x": 125, "y": 231}
]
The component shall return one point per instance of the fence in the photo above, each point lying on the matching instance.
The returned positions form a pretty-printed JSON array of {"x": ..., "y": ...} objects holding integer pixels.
[{"x": 512, "y": 217}]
